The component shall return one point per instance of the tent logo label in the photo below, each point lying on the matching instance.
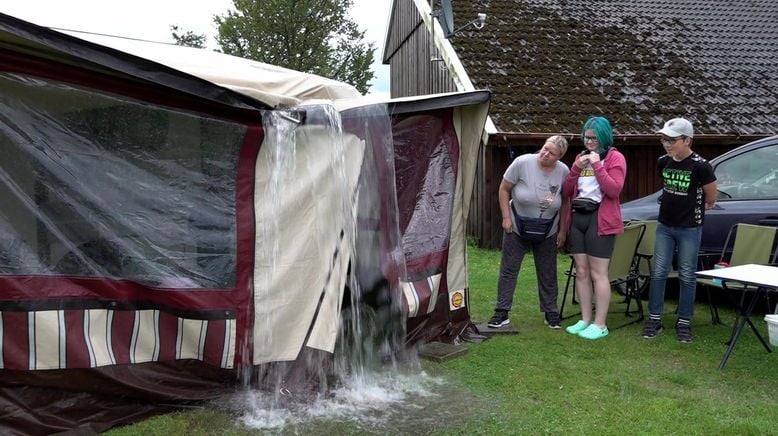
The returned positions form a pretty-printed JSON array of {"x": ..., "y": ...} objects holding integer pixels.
[{"x": 457, "y": 299}]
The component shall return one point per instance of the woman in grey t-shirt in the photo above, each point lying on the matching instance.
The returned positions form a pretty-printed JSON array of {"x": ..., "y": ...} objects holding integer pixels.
[{"x": 532, "y": 188}]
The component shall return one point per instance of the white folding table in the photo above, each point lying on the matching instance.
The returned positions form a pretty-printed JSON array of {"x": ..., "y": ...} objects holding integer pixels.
[{"x": 762, "y": 277}]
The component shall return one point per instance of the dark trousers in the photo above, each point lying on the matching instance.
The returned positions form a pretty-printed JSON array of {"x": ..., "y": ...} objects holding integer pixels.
[{"x": 513, "y": 250}]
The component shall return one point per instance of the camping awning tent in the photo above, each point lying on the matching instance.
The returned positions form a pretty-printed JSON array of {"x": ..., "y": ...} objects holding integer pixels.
[
  {"x": 275, "y": 86},
  {"x": 162, "y": 232}
]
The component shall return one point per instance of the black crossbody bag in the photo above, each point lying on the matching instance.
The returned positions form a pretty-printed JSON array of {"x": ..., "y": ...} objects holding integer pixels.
[{"x": 533, "y": 229}]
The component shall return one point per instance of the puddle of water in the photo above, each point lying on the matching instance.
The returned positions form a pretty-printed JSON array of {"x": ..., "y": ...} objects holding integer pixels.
[{"x": 376, "y": 403}]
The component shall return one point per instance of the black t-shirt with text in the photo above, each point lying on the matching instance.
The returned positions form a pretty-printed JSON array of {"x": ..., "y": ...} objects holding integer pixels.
[{"x": 683, "y": 200}]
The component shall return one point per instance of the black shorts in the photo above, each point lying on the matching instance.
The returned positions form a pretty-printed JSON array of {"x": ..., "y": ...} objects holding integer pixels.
[{"x": 583, "y": 237}]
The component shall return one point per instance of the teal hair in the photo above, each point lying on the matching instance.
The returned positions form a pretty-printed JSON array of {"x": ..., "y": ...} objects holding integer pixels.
[{"x": 602, "y": 130}]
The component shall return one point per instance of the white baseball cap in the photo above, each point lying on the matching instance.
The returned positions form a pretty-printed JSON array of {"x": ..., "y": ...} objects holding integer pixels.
[{"x": 678, "y": 127}]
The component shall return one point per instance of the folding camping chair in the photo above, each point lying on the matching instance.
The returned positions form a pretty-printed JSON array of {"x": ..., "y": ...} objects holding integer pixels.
[
  {"x": 645, "y": 254},
  {"x": 622, "y": 271},
  {"x": 645, "y": 257},
  {"x": 570, "y": 273},
  {"x": 751, "y": 243}
]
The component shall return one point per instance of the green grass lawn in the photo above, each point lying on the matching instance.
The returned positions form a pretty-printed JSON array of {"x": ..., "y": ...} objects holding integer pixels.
[
  {"x": 547, "y": 381},
  {"x": 551, "y": 382}
]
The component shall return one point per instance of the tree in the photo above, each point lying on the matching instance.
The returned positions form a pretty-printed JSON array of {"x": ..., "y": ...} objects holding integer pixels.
[
  {"x": 313, "y": 36},
  {"x": 188, "y": 38}
]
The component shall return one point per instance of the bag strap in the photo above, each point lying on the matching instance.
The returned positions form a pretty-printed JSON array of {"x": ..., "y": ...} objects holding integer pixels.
[{"x": 515, "y": 213}]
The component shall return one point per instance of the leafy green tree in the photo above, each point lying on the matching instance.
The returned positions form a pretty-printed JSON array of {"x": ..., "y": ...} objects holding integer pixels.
[
  {"x": 188, "y": 38},
  {"x": 314, "y": 36}
]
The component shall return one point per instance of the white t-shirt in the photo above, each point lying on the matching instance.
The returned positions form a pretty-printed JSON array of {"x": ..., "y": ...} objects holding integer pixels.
[
  {"x": 588, "y": 186},
  {"x": 534, "y": 190}
]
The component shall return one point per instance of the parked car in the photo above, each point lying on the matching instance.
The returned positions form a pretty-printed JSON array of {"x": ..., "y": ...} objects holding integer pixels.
[{"x": 747, "y": 180}]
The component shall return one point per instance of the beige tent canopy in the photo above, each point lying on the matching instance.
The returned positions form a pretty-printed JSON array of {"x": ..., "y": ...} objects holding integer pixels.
[{"x": 275, "y": 86}]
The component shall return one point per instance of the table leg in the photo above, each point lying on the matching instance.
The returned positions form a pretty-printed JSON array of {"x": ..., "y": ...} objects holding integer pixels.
[
  {"x": 760, "y": 293},
  {"x": 741, "y": 323}
]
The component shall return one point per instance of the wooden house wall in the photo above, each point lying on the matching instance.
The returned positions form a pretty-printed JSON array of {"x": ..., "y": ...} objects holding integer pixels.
[{"x": 410, "y": 52}]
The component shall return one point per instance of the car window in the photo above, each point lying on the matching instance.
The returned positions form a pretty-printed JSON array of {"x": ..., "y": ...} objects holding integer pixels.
[{"x": 750, "y": 175}]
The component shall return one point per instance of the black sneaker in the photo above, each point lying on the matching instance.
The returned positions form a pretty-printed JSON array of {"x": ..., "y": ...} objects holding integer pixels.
[
  {"x": 652, "y": 328},
  {"x": 499, "y": 319},
  {"x": 552, "y": 320},
  {"x": 683, "y": 332}
]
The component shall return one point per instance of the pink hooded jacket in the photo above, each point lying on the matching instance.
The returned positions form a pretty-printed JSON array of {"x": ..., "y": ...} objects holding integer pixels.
[{"x": 610, "y": 174}]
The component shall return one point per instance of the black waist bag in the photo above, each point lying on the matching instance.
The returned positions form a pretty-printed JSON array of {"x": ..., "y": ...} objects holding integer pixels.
[
  {"x": 533, "y": 229},
  {"x": 585, "y": 205}
]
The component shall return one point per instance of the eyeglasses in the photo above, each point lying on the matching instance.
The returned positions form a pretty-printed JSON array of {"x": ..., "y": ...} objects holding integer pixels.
[
  {"x": 590, "y": 138},
  {"x": 666, "y": 140}
]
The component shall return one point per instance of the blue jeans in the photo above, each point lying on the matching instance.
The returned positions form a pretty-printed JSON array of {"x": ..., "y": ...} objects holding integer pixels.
[{"x": 686, "y": 240}]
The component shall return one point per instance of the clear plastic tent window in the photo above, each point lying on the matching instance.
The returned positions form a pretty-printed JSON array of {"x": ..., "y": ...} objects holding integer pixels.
[{"x": 98, "y": 185}]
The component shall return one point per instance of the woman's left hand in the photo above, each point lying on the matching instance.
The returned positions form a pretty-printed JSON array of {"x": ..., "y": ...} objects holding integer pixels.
[{"x": 561, "y": 238}]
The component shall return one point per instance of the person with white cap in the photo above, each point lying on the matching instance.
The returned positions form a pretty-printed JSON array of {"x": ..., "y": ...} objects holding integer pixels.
[{"x": 689, "y": 189}]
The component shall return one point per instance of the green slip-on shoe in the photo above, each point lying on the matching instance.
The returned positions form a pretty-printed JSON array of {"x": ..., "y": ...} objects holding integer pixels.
[
  {"x": 593, "y": 332},
  {"x": 577, "y": 327}
]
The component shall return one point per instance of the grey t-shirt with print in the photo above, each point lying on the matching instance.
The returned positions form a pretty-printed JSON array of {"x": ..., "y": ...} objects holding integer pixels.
[{"x": 534, "y": 189}]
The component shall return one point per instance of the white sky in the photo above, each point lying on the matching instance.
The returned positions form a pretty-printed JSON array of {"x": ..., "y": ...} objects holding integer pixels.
[{"x": 151, "y": 20}]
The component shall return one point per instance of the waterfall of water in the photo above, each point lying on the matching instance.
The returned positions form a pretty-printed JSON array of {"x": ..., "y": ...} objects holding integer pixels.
[{"x": 351, "y": 157}]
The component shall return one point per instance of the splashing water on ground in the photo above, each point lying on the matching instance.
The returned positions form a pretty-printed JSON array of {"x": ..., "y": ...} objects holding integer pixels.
[{"x": 377, "y": 403}]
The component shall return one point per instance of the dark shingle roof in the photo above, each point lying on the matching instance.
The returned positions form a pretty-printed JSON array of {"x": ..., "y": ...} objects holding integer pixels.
[{"x": 550, "y": 64}]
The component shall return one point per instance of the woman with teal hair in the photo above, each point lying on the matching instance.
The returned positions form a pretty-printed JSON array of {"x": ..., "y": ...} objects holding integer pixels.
[
  {"x": 594, "y": 185},
  {"x": 603, "y": 134}
]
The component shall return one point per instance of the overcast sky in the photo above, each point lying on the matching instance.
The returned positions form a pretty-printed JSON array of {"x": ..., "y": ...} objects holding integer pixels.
[{"x": 151, "y": 20}]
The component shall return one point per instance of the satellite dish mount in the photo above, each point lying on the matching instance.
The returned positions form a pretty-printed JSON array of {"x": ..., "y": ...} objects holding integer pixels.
[{"x": 445, "y": 16}]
